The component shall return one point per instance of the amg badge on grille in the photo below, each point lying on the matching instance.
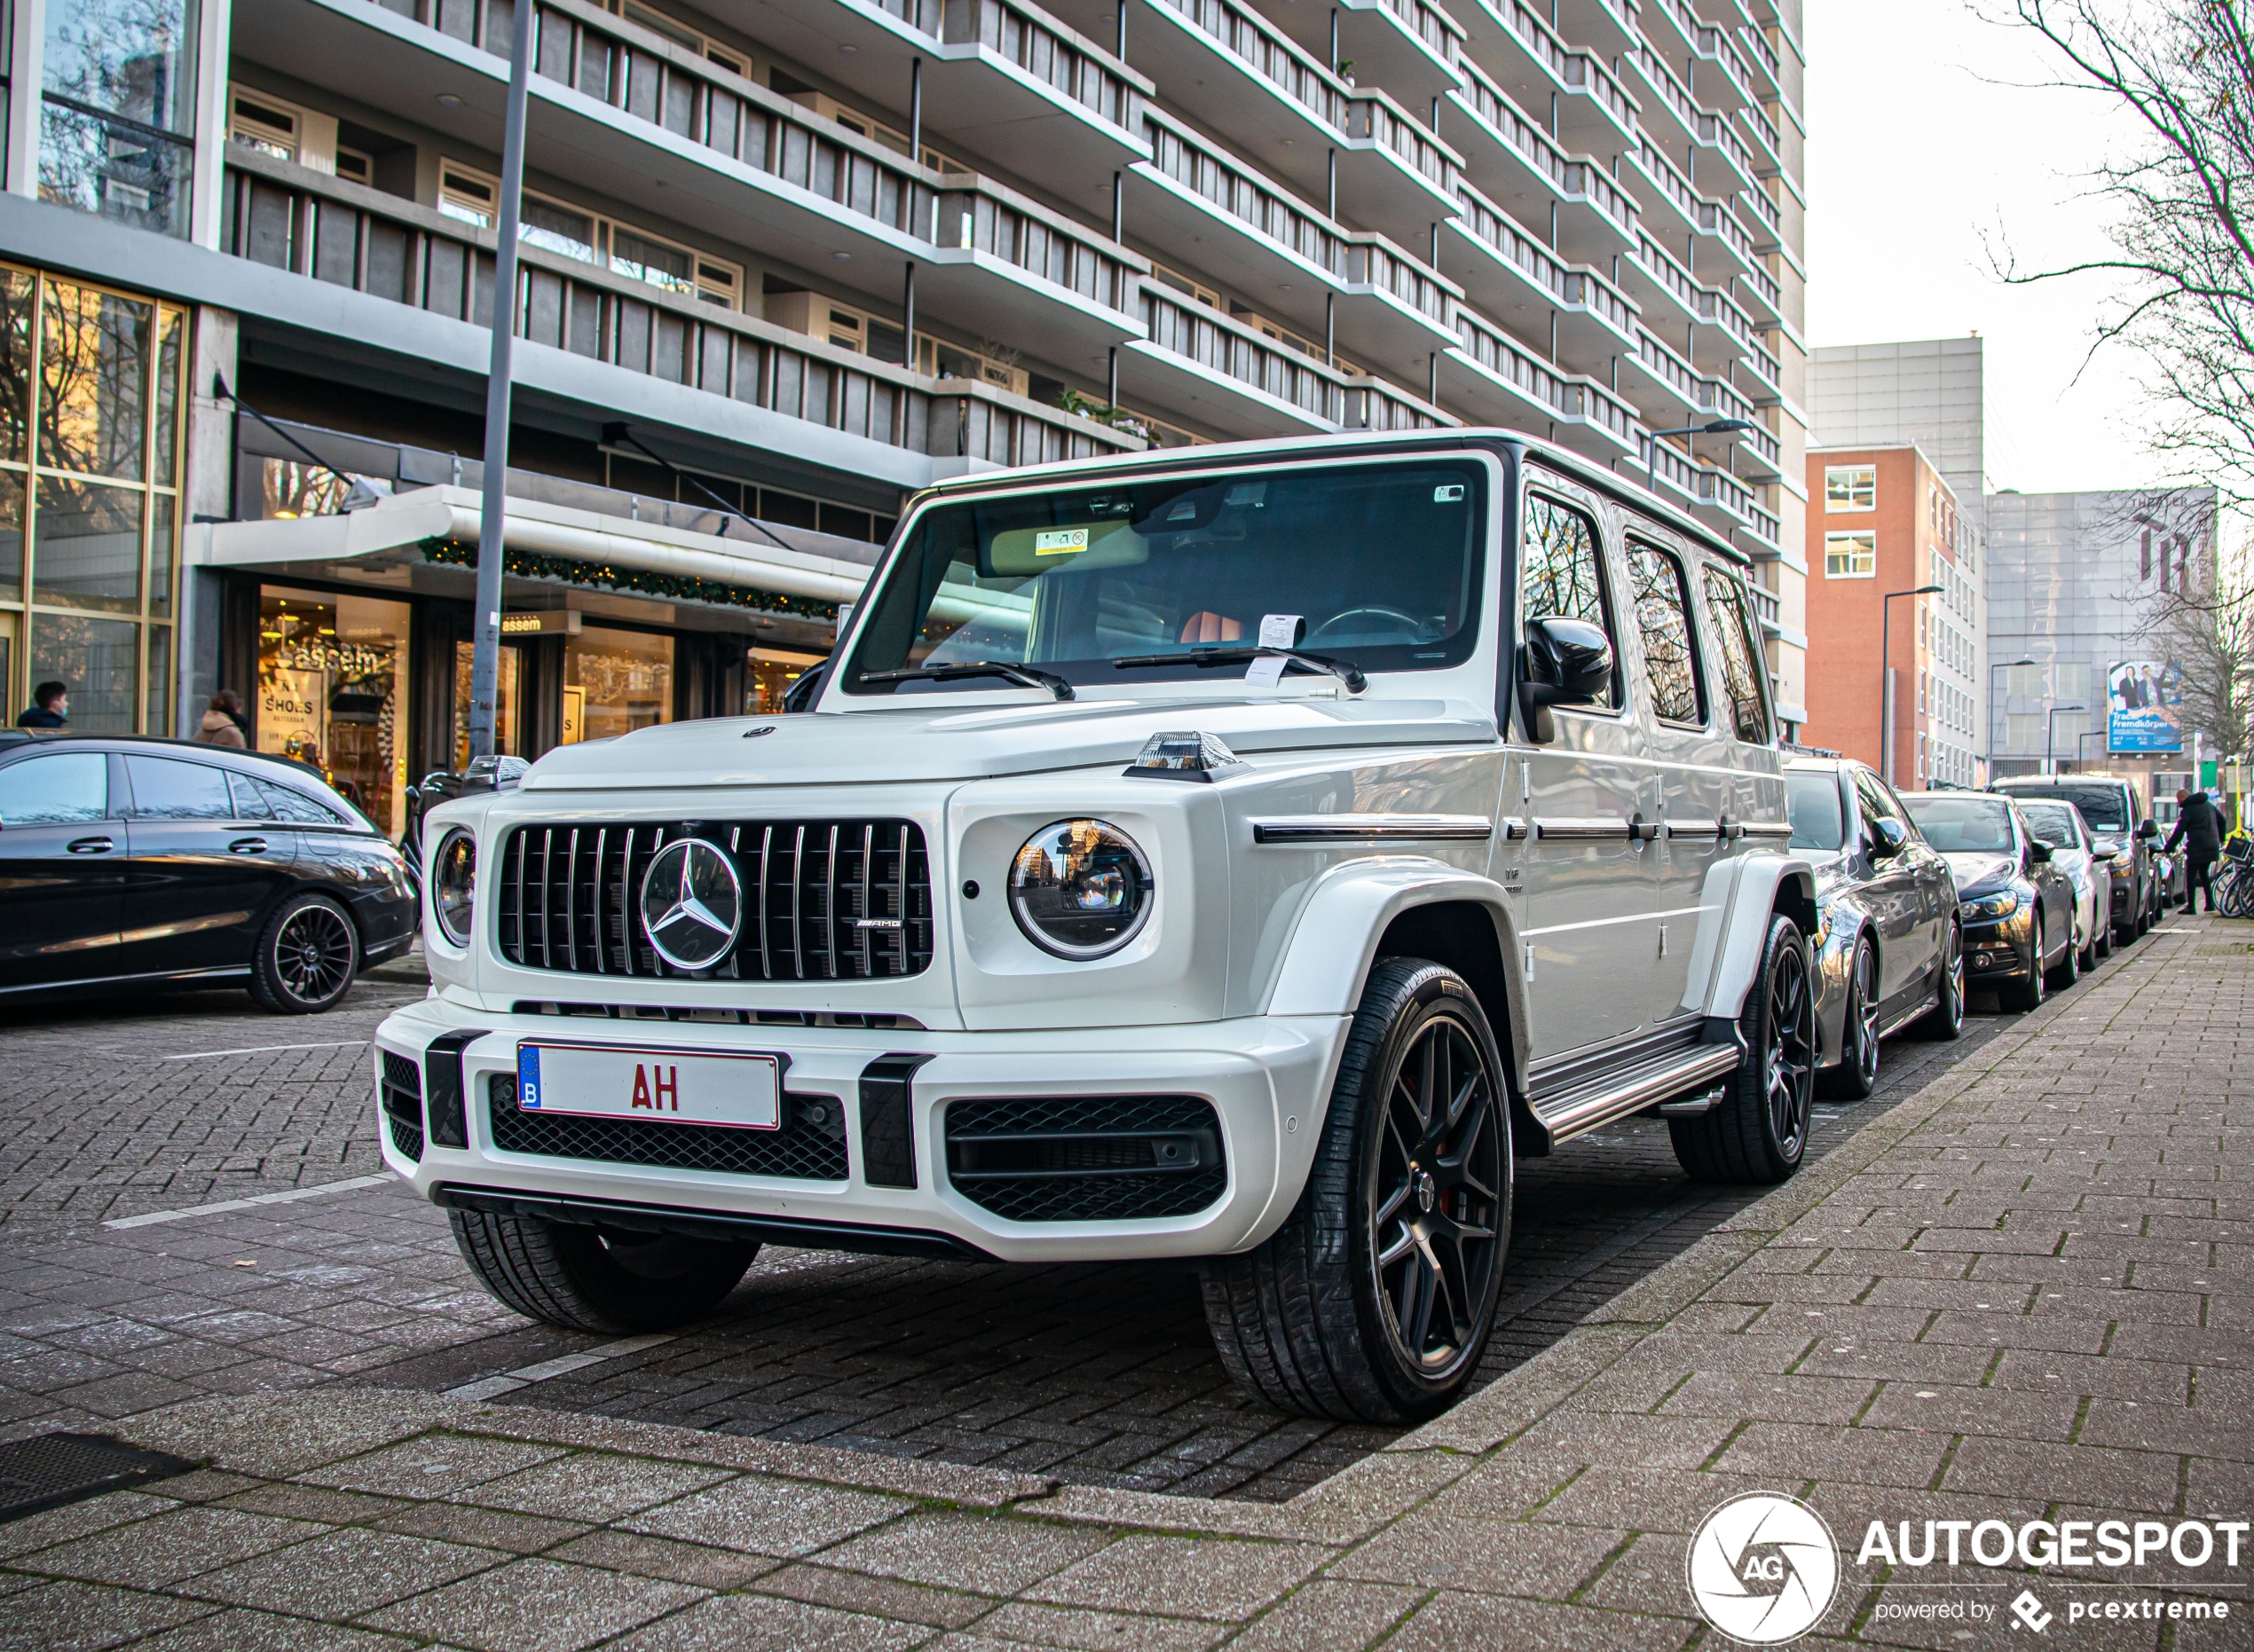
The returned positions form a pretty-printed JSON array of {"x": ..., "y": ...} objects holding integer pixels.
[{"x": 692, "y": 903}]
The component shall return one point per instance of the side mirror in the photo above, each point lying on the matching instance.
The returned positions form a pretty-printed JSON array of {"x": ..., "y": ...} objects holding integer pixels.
[
  {"x": 2148, "y": 828},
  {"x": 1890, "y": 839},
  {"x": 1564, "y": 662},
  {"x": 2106, "y": 848},
  {"x": 2039, "y": 852}
]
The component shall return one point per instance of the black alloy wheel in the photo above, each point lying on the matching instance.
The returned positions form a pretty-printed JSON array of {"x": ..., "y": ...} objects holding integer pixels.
[
  {"x": 307, "y": 957},
  {"x": 1759, "y": 1131},
  {"x": 1856, "y": 1075},
  {"x": 1946, "y": 1018}
]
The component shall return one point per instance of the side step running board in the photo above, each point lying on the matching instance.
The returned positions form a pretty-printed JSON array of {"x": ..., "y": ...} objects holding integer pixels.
[{"x": 1580, "y": 1112}]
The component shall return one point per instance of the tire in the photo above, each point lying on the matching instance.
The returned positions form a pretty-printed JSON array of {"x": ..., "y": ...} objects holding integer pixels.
[
  {"x": 1946, "y": 1020},
  {"x": 2101, "y": 943},
  {"x": 2088, "y": 959},
  {"x": 1856, "y": 1075},
  {"x": 2026, "y": 993},
  {"x": 308, "y": 954},
  {"x": 586, "y": 1280},
  {"x": 2068, "y": 970},
  {"x": 1323, "y": 1320},
  {"x": 1759, "y": 1133}
]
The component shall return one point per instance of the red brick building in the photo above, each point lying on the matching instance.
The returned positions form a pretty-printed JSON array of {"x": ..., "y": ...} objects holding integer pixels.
[{"x": 1881, "y": 520}]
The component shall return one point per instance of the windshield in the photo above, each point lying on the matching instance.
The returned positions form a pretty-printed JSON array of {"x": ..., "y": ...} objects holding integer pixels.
[
  {"x": 1812, "y": 800},
  {"x": 1964, "y": 825},
  {"x": 1375, "y": 564},
  {"x": 2052, "y": 823},
  {"x": 2100, "y": 806}
]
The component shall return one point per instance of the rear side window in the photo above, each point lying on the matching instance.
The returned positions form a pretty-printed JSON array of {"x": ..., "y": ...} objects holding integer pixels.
[
  {"x": 166, "y": 790},
  {"x": 268, "y": 800},
  {"x": 1733, "y": 630},
  {"x": 1561, "y": 574},
  {"x": 1663, "y": 616},
  {"x": 66, "y": 789}
]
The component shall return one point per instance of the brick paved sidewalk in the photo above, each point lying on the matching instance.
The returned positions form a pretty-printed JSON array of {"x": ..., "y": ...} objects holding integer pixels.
[{"x": 2015, "y": 1297}]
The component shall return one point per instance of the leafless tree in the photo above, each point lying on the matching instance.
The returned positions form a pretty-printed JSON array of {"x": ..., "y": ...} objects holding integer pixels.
[
  {"x": 2183, "y": 240},
  {"x": 2208, "y": 635}
]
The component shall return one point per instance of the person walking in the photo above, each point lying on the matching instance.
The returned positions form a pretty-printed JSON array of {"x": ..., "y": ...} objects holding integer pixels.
[
  {"x": 49, "y": 707},
  {"x": 223, "y": 724},
  {"x": 2199, "y": 828}
]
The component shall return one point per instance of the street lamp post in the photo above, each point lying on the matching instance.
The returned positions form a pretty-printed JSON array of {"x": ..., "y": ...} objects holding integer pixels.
[
  {"x": 1719, "y": 427},
  {"x": 1993, "y": 667},
  {"x": 2083, "y": 739},
  {"x": 2050, "y": 735},
  {"x": 1886, "y": 675}
]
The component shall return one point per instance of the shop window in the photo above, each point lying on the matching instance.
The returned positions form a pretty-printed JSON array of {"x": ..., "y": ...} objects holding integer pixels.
[
  {"x": 768, "y": 675},
  {"x": 616, "y": 681},
  {"x": 99, "y": 659},
  {"x": 331, "y": 693}
]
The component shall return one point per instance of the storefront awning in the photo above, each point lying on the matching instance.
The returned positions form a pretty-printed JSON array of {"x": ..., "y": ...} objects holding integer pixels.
[{"x": 425, "y": 520}]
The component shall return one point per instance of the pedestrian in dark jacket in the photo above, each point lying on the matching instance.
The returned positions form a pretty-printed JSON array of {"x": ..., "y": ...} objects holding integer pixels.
[
  {"x": 2199, "y": 828},
  {"x": 49, "y": 707}
]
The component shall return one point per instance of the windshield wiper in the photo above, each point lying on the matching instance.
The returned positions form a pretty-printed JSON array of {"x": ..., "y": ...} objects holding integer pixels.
[
  {"x": 1204, "y": 659},
  {"x": 1024, "y": 676}
]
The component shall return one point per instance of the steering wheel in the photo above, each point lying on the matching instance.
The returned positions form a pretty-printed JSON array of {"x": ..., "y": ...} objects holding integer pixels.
[{"x": 1409, "y": 622}]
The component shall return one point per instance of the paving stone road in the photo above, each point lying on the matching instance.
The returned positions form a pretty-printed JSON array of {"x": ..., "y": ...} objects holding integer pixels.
[
  {"x": 1099, "y": 1376},
  {"x": 2016, "y": 1298}
]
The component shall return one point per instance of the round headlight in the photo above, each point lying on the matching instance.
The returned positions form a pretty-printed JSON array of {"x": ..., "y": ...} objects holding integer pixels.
[
  {"x": 453, "y": 885},
  {"x": 1080, "y": 889}
]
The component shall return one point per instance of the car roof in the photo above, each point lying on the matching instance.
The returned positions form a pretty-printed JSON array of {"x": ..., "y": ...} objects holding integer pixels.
[
  {"x": 2043, "y": 783},
  {"x": 1346, "y": 445},
  {"x": 1832, "y": 765}
]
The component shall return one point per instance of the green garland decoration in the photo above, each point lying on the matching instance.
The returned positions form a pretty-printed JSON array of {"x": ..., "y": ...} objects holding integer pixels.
[{"x": 677, "y": 587}]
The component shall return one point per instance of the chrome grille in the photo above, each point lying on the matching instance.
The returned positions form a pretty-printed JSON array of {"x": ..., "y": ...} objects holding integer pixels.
[{"x": 823, "y": 900}]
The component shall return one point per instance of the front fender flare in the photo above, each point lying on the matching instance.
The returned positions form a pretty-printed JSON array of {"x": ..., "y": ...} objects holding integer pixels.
[{"x": 1740, "y": 895}]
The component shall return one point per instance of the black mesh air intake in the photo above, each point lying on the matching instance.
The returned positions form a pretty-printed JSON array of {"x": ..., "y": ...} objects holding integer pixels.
[
  {"x": 810, "y": 1145},
  {"x": 823, "y": 900},
  {"x": 399, "y": 1090},
  {"x": 1086, "y": 1158}
]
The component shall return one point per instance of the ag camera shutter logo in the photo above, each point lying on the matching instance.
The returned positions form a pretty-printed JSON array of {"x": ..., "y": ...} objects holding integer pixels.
[{"x": 1764, "y": 1568}]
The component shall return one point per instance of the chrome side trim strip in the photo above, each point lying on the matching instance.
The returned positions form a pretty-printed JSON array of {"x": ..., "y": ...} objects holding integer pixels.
[
  {"x": 1602, "y": 826},
  {"x": 1298, "y": 830},
  {"x": 1768, "y": 828},
  {"x": 1706, "y": 1062}
]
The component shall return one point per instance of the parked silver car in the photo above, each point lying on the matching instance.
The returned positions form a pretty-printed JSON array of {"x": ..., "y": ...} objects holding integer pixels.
[{"x": 2059, "y": 826}]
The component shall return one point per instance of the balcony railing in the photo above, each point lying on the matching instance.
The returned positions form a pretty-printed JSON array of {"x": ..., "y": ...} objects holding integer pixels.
[
  {"x": 1567, "y": 399},
  {"x": 1233, "y": 351},
  {"x": 1722, "y": 495},
  {"x": 1703, "y": 216},
  {"x": 1269, "y": 54},
  {"x": 1574, "y": 179},
  {"x": 1711, "y": 397},
  {"x": 974, "y": 215},
  {"x": 1374, "y": 117},
  {"x": 1024, "y": 36},
  {"x": 291, "y": 218},
  {"x": 1567, "y": 286},
  {"x": 1573, "y": 71},
  {"x": 1441, "y": 34}
]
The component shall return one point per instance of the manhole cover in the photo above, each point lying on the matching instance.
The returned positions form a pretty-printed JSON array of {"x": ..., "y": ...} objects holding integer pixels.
[{"x": 55, "y": 1468}]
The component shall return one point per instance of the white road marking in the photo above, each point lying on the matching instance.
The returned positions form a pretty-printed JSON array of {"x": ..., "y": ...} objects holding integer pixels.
[
  {"x": 260, "y": 1049},
  {"x": 249, "y": 1202},
  {"x": 563, "y": 1364}
]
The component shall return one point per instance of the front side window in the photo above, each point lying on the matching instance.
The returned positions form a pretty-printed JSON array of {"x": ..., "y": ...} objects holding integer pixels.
[
  {"x": 66, "y": 789},
  {"x": 1562, "y": 575},
  {"x": 1378, "y": 565},
  {"x": 1663, "y": 616},
  {"x": 2053, "y": 824},
  {"x": 1851, "y": 556},
  {"x": 1812, "y": 805},
  {"x": 1851, "y": 487},
  {"x": 1741, "y": 665}
]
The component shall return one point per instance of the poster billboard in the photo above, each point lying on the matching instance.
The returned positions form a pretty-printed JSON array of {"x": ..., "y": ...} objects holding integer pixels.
[{"x": 2144, "y": 703}]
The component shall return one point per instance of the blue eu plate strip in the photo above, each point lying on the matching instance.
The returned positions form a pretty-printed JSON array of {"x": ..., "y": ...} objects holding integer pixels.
[{"x": 528, "y": 1077}]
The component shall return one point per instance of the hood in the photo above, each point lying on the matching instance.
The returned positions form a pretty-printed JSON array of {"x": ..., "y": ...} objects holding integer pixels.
[
  {"x": 1986, "y": 867},
  {"x": 922, "y": 740}
]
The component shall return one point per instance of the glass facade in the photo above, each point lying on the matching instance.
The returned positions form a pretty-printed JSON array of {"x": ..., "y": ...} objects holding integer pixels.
[
  {"x": 614, "y": 682},
  {"x": 91, "y": 383},
  {"x": 117, "y": 110},
  {"x": 333, "y": 692}
]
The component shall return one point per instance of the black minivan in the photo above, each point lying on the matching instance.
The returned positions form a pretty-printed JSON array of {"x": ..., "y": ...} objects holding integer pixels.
[{"x": 132, "y": 860}]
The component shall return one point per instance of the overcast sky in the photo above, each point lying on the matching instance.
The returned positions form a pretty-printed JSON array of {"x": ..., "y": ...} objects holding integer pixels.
[{"x": 1926, "y": 133}]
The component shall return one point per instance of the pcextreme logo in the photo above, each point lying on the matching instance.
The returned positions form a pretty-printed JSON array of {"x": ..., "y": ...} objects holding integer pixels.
[{"x": 1764, "y": 1568}]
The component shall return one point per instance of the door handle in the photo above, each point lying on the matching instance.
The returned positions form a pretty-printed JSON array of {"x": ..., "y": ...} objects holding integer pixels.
[
  {"x": 248, "y": 845},
  {"x": 93, "y": 845}
]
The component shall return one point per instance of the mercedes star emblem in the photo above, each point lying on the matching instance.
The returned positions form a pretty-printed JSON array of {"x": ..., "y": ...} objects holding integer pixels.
[{"x": 691, "y": 904}]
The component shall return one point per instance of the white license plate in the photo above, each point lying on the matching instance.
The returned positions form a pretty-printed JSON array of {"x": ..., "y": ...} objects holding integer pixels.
[{"x": 602, "y": 1081}]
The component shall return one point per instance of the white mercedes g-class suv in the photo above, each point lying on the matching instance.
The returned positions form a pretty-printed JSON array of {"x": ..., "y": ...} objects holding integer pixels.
[{"x": 1238, "y": 853}]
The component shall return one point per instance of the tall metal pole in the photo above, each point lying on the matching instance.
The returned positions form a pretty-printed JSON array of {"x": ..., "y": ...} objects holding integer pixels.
[{"x": 492, "y": 522}]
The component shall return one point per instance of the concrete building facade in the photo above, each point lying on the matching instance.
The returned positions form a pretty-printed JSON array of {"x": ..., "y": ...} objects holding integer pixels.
[
  {"x": 783, "y": 263},
  {"x": 1895, "y": 681}
]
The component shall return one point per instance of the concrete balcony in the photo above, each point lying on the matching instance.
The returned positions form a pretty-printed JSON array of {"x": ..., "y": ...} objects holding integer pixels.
[
  {"x": 1671, "y": 392},
  {"x": 1529, "y": 61},
  {"x": 1706, "y": 55},
  {"x": 1761, "y": 63},
  {"x": 1001, "y": 78},
  {"x": 1674, "y": 304},
  {"x": 1221, "y": 373},
  {"x": 1606, "y": 27},
  {"x": 1763, "y": 219},
  {"x": 354, "y": 258},
  {"x": 1514, "y": 162},
  {"x": 1713, "y": 495},
  {"x": 1506, "y": 272},
  {"x": 1701, "y": 139},
  {"x": 1499, "y": 380},
  {"x": 1369, "y": 162},
  {"x": 1386, "y": 308},
  {"x": 1409, "y": 47},
  {"x": 1707, "y": 231},
  {"x": 617, "y": 109}
]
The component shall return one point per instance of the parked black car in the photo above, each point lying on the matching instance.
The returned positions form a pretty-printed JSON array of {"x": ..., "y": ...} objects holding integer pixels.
[
  {"x": 2127, "y": 839},
  {"x": 2017, "y": 908},
  {"x": 1888, "y": 948},
  {"x": 127, "y": 860}
]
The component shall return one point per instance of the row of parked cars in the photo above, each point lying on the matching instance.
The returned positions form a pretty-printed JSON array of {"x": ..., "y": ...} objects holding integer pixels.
[{"x": 2020, "y": 889}]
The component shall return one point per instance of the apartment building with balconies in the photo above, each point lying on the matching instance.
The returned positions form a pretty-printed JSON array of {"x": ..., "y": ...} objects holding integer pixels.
[{"x": 784, "y": 263}]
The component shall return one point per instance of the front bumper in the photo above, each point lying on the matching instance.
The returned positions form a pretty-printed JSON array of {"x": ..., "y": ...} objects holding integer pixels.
[
  {"x": 2000, "y": 950},
  {"x": 1267, "y": 1078}
]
